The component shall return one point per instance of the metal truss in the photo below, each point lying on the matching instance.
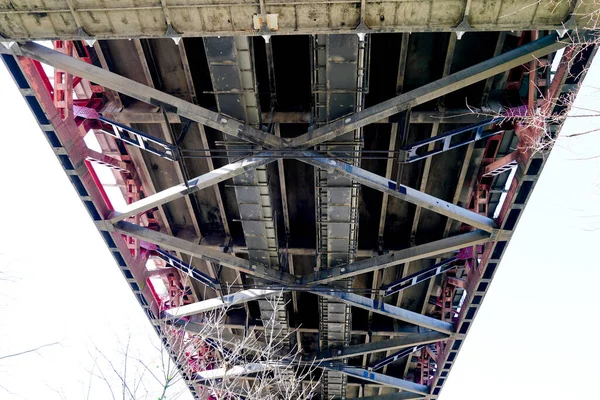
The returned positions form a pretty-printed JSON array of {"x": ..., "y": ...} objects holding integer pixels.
[
  {"x": 66, "y": 135},
  {"x": 417, "y": 151},
  {"x": 188, "y": 269},
  {"x": 394, "y": 357},
  {"x": 139, "y": 139},
  {"x": 201, "y": 182},
  {"x": 381, "y": 379},
  {"x": 448, "y": 84},
  {"x": 493, "y": 66},
  {"x": 420, "y": 276},
  {"x": 418, "y": 252},
  {"x": 255, "y": 269},
  {"x": 409, "y": 341},
  {"x": 229, "y": 300}
]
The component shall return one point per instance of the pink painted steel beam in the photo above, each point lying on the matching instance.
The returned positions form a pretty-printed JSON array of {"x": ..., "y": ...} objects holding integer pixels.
[{"x": 74, "y": 149}]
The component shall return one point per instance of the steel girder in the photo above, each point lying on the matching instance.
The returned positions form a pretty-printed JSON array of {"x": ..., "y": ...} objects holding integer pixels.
[
  {"x": 209, "y": 179},
  {"x": 377, "y": 346},
  {"x": 392, "y": 396},
  {"x": 468, "y": 76},
  {"x": 208, "y": 253},
  {"x": 203, "y": 252},
  {"x": 227, "y": 260},
  {"x": 493, "y": 66},
  {"x": 427, "y": 250},
  {"x": 220, "y": 122},
  {"x": 363, "y": 374},
  {"x": 388, "y": 310},
  {"x": 216, "y": 303},
  {"x": 481, "y": 71},
  {"x": 403, "y": 192},
  {"x": 382, "y": 379},
  {"x": 357, "y": 372}
]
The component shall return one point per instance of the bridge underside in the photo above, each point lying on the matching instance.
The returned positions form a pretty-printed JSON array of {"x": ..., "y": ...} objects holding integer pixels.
[
  {"x": 369, "y": 182},
  {"x": 81, "y": 19}
]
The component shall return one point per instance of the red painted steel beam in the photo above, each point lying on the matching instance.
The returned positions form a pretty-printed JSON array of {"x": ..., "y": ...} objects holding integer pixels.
[
  {"x": 475, "y": 275},
  {"x": 71, "y": 140}
]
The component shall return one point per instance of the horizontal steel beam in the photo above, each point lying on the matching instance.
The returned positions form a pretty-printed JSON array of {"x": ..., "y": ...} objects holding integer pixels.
[
  {"x": 386, "y": 330},
  {"x": 377, "y": 346},
  {"x": 381, "y": 379},
  {"x": 421, "y": 251},
  {"x": 193, "y": 185},
  {"x": 203, "y": 252},
  {"x": 402, "y": 192},
  {"x": 147, "y": 94},
  {"x": 468, "y": 76},
  {"x": 216, "y": 303},
  {"x": 465, "y": 116}
]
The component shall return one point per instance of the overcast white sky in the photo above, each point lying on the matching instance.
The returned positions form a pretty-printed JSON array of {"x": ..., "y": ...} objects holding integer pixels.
[{"x": 535, "y": 336}]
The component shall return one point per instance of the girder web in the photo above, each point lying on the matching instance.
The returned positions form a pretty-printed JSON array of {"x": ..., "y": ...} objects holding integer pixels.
[
  {"x": 340, "y": 65},
  {"x": 338, "y": 86}
]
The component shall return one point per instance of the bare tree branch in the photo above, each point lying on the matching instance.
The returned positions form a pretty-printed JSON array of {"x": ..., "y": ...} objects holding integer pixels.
[{"x": 33, "y": 350}]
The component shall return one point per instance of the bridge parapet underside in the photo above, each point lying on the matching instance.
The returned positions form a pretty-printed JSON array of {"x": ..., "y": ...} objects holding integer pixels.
[
  {"x": 82, "y": 19},
  {"x": 339, "y": 174}
]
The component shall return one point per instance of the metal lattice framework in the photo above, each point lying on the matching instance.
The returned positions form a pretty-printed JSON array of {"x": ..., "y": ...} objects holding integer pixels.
[{"x": 230, "y": 224}]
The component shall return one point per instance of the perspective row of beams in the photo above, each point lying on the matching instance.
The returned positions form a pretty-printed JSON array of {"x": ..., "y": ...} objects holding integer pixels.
[
  {"x": 439, "y": 88},
  {"x": 330, "y": 131}
]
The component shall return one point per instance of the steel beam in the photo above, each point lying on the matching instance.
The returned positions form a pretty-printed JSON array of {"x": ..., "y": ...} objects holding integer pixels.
[
  {"x": 384, "y": 331},
  {"x": 392, "y": 396},
  {"x": 406, "y": 193},
  {"x": 410, "y": 153},
  {"x": 208, "y": 254},
  {"x": 216, "y": 303},
  {"x": 381, "y": 379},
  {"x": 389, "y": 310},
  {"x": 394, "y": 357},
  {"x": 458, "y": 116},
  {"x": 147, "y": 94},
  {"x": 188, "y": 270},
  {"x": 503, "y": 62},
  {"x": 420, "y": 276},
  {"x": 139, "y": 139},
  {"x": 373, "y": 347},
  {"x": 204, "y": 253},
  {"x": 222, "y": 373},
  {"x": 398, "y": 257},
  {"x": 193, "y": 185}
]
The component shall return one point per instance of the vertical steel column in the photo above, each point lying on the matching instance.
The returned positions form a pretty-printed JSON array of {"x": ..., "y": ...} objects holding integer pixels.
[{"x": 339, "y": 65}]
